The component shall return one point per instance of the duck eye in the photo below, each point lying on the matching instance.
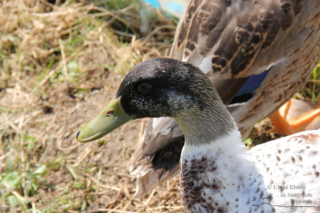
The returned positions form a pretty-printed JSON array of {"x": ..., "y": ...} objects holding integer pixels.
[{"x": 144, "y": 88}]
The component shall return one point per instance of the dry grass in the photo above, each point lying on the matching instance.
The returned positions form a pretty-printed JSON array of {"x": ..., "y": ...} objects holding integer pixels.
[{"x": 61, "y": 63}]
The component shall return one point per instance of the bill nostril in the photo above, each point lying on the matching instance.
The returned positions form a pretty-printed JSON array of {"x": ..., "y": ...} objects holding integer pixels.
[
  {"x": 78, "y": 134},
  {"x": 109, "y": 113}
]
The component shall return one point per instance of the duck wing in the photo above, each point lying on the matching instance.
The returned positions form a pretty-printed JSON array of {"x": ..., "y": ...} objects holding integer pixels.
[{"x": 233, "y": 41}]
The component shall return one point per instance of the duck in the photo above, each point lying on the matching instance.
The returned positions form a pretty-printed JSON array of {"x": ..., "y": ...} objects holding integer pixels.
[
  {"x": 256, "y": 53},
  {"x": 217, "y": 173}
]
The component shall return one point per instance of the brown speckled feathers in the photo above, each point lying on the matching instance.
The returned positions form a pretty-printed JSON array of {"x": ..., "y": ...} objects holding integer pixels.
[{"x": 230, "y": 41}]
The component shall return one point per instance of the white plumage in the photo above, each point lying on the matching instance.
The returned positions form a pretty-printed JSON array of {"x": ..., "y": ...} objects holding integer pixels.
[{"x": 279, "y": 176}]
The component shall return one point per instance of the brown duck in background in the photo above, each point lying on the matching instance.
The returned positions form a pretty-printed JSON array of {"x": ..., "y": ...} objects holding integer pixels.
[{"x": 232, "y": 41}]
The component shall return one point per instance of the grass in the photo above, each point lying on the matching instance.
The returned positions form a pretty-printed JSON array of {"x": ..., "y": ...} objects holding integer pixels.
[
  {"x": 312, "y": 90},
  {"x": 53, "y": 57},
  {"x": 58, "y": 61}
]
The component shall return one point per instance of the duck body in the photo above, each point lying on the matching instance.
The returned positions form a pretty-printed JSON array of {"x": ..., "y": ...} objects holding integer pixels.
[
  {"x": 279, "y": 176},
  {"x": 217, "y": 174},
  {"x": 231, "y": 42}
]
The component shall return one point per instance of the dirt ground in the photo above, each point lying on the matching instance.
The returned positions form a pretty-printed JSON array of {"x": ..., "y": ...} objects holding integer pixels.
[
  {"x": 61, "y": 63},
  {"x": 99, "y": 167}
]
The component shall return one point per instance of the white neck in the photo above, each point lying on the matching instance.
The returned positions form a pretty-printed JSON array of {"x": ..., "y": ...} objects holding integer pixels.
[{"x": 228, "y": 149}]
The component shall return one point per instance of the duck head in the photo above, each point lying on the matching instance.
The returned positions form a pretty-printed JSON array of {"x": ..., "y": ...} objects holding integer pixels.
[{"x": 160, "y": 87}]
